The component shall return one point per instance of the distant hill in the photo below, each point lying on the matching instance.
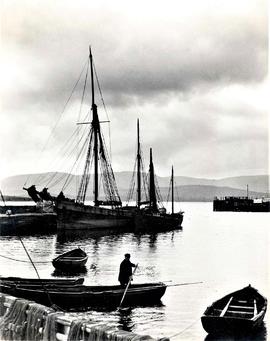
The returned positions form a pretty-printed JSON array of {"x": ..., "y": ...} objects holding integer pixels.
[{"x": 188, "y": 188}]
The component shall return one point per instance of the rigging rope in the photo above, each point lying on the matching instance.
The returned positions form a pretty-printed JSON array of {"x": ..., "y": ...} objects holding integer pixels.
[
  {"x": 169, "y": 191},
  {"x": 159, "y": 197},
  {"x": 105, "y": 109},
  {"x": 132, "y": 183},
  {"x": 64, "y": 108},
  {"x": 67, "y": 153},
  {"x": 79, "y": 155}
]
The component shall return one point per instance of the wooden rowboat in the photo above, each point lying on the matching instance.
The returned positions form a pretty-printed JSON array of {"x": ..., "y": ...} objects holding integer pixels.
[
  {"x": 71, "y": 260},
  {"x": 81, "y": 297},
  {"x": 42, "y": 281},
  {"x": 240, "y": 312}
]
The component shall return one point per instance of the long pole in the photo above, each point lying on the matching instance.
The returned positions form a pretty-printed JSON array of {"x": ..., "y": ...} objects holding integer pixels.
[
  {"x": 172, "y": 191},
  {"x": 152, "y": 189},
  {"x": 95, "y": 125},
  {"x": 180, "y": 284},
  {"x": 130, "y": 278},
  {"x": 138, "y": 166}
]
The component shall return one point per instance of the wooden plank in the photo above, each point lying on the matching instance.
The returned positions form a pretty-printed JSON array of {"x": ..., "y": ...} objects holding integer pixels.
[
  {"x": 255, "y": 308},
  {"x": 242, "y": 307},
  {"x": 239, "y": 312},
  {"x": 226, "y": 307}
]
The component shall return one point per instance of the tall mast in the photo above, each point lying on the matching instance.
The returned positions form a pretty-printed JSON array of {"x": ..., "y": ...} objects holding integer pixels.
[
  {"x": 138, "y": 166},
  {"x": 172, "y": 191},
  {"x": 95, "y": 126},
  {"x": 152, "y": 189}
]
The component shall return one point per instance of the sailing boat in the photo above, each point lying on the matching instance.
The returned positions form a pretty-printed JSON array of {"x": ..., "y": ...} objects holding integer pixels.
[
  {"x": 75, "y": 214},
  {"x": 151, "y": 217}
]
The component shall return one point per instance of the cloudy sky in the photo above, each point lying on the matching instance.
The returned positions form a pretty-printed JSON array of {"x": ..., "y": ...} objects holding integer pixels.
[{"x": 194, "y": 73}]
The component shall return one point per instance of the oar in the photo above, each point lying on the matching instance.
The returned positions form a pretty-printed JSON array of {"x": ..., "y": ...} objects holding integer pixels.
[
  {"x": 130, "y": 278},
  {"x": 179, "y": 284}
]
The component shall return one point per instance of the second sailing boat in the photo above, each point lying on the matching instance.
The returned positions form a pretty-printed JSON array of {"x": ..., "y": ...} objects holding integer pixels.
[{"x": 148, "y": 215}]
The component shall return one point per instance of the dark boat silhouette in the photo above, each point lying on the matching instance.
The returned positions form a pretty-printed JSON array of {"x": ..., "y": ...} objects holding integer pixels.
[
  {"x": 150, "y": 214},
  {"x": 81, "y": 297},
  {"x": 71, "y": 260},
  {"x": 239, "y": 312}
]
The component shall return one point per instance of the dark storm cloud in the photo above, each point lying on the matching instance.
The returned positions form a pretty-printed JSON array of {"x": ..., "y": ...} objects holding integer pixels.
[
  {"x": 190, "y": 71},
  {"x": 141, "y": 61}
]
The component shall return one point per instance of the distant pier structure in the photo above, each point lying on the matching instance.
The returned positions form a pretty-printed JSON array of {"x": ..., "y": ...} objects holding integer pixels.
[{"x": 241, "y": 204}]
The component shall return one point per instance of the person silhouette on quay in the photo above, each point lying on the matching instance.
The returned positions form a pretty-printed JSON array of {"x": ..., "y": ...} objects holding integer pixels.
[{"x": 125, "y": 271}]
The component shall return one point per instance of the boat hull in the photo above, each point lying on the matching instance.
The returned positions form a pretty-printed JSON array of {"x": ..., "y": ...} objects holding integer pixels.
[
  {"x": 231, "y": 326},
  {"x": 27, "y": 223},
  {"x": 241, "y": 312},
  {"x": 151, "y": 222},
  {"x": 79, "y": 298},
  {"x": 71, "y": 216},
  {"x": 71, "y": 260}
]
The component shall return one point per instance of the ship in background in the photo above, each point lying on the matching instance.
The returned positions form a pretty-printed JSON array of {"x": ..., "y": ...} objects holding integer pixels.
[
  {"x": 149, "y": 212},
  {"x": 241, "y": 204}
]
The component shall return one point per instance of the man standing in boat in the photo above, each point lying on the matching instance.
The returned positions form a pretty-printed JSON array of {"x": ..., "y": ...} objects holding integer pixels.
[{"x": 125, "y": 271}]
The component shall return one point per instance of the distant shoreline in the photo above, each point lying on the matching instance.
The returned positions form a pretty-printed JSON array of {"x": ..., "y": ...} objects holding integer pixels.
[{"x": 19, "y": 198}]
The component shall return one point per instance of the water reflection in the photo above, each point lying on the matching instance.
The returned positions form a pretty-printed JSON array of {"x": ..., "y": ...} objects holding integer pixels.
[
  {"x": 125, "y": 320},
  {"x": 177, "y": 256},
  {"x": 76, "y": 272},
  {"x": 81, "y": 235}
]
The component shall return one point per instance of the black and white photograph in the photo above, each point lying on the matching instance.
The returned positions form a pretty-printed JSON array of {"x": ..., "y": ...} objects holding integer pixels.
[{"x": 134, "y": 177}]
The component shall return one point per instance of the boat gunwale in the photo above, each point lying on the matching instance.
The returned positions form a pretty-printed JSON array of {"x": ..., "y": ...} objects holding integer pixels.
[{"x": 58, "y": 290}]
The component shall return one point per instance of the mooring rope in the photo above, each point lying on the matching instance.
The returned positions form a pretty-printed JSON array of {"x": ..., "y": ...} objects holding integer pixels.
[
  {"x": 23, "y": 261},
  {"x": 43, "y": 286},
  {"x": 183, "y": 330}
]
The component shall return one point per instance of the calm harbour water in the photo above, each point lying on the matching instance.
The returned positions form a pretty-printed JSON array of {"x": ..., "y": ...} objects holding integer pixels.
[{"x": 224, "y": 250}]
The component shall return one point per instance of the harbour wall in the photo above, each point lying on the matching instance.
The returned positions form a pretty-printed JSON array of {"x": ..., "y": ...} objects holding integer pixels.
[{"x": 21, "y": 319}]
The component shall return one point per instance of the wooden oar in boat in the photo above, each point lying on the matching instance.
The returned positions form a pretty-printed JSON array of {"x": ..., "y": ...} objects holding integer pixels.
[
  {"x": 130, "y": 279},
  {"x": 180, "y": 284}
]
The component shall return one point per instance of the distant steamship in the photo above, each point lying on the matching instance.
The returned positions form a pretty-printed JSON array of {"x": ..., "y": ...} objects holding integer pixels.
[{"x": 241, "y": 204}]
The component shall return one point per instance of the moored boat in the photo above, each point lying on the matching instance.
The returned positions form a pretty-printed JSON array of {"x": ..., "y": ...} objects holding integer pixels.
[
  {"x": 150, "y": 213},
  {"x": 105, "y": 213},
  {"x": 27, "y": 223},
  {"x": 81, "y": 297},
  {"x": 239, "y": 312},
  {"x": 71, "y": 260},
  {"x": 152, "y": 217}
]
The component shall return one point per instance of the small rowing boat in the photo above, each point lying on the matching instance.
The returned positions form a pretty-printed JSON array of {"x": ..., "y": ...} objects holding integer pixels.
[
  {"x": 71, "y": 260},
  {"x": 240, "y": 312},
  {"x": 81, "y": 297}
]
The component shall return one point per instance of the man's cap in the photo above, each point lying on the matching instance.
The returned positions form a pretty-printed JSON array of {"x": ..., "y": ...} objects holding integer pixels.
[{"x": 127, "y": 255}]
